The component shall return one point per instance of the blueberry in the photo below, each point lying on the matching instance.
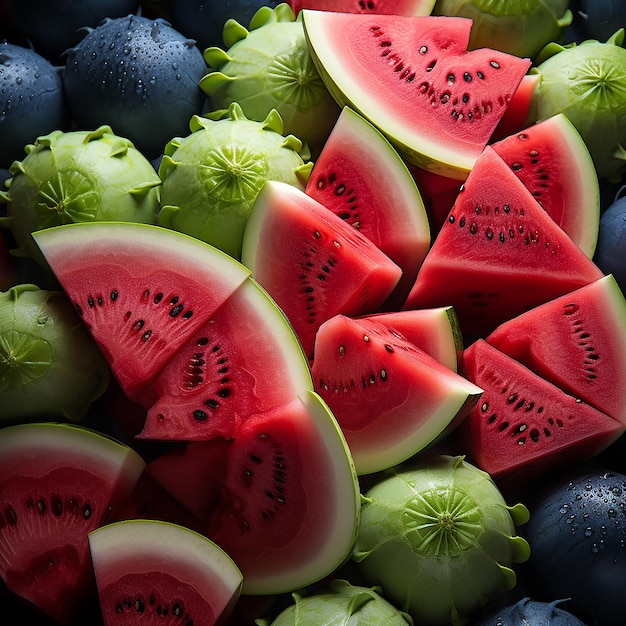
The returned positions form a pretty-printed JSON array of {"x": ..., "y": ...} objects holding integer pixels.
[
  {"x": 204, "y": 19},
  {"x": 577, "y": 538},
  {"x": 53, "y": 27},
  {"x": 31, "y": 100},
  {"x": 599, "y": 19},
  {"x": 138, "y": 75},
  {"x": 610, "y": 255}
]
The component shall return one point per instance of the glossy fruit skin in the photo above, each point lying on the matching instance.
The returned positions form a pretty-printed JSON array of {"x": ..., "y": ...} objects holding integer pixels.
[
  {"x": 53, "y": 27},
  {"x": 599, "y": 19},
  {"x": 528, "y": 611},
  {"x": 138, "y": 74},
  {"x": 204, "y": 20},
  {"x": 31, "y": 100},
  {"x": 610, "y": 255},
  {"x": 577, "y": 533}
]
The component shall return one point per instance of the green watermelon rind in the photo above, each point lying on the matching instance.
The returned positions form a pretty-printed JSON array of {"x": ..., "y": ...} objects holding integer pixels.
[{"x": 451, "y": 154}]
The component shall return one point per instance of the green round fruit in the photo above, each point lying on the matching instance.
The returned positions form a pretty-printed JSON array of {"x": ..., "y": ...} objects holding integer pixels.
[
  {"x": 212, "y": 177},
  {"x": 519, "y": 27},
  {"x": 49, "y": 365},
  {"x": 78, "y": 176},
  {"x": 269, "y": 67},
  {"x": 587, "y": 83},
  {"x": 340, "y": 603},
  {"x": 439, "y": 538}
]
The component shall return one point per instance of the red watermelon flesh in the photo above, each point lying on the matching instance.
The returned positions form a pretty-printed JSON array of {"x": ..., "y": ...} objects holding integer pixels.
[
  {"x": 232, "y": 367},
  {"x": 577, "y": 342},
  {"x": 524, "y": 426},
  {"x": 361, "y": 178},
  {"x": 414, "y": 78},
  {"x": 57, "y": 483},
  {"x": 498, "y": 254},
  {"x": 517, "y": 114},
  {"x": 141, "y": 290},
  {"x": 392, "y": 7},
  {"x": 290, "y": 504},
  {"x": 193, "y": 474},
  {"x": 312, "y": 263},
  {"x": 390, "y": 398},
  {"x": 552, "y": 160},
  {"x": 435, "y": 331}
]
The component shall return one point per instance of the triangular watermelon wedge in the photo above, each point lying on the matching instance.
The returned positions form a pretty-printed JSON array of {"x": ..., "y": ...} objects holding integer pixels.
[
  {"x": 312, "y": 263},
  {"x": 391, "y": 399},
  {"x": 414, "y": 78},
  {"x": 141, "y": 290},
  {"x": 577, "y": 342},
  {"x": 499, "y": 254},
  {"x": 524, "y": 426}
]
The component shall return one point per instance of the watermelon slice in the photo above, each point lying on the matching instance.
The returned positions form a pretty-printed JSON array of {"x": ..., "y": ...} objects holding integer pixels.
[
  {"x": 312, "y": 263},
  {"x": 577, "y": 342},
  {"x": 193, "y": 474},
  {"x": 498, "y": 254},
  {"x": 57, "y": 483},
  {"x": 147, "y": 570},
  {"x": 435, "y": 331},
  {"x": 290, "y": 505},
  {"x": 414, "y": 78},
  {"x": 390, "y": 398},
  {"x": 552, "y": 160},
  {"x": 244, "y": 360},
  {"x": 141, "y": 290},
  {"x": 392, "y": 7},
  {"x": 523, "y": 426},
  {"x": 362, "y": 179}
]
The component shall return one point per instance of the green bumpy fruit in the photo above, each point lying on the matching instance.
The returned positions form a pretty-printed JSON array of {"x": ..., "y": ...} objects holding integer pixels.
[
  {"x": 50, "y": 367},
  {"x": 519, "y": 27},
  {"x": 212, "y": 177},
  {"x": 340, "y": 603},
  {"x": 587, "y": 83},
  {"x": 439, "y": 538},
  {"x": 269, "y": 67},
  {"x": 78, "y": 176}
]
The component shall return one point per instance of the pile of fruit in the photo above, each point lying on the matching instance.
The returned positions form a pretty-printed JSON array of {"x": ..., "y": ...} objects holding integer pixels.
[{"x": 312, "y": 312}]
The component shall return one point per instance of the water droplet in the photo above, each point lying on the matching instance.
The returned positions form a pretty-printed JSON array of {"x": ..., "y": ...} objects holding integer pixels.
[
  {"x": 152, "y": 80},
  {"x": 18, "y": 80},
  {"x": 588, "y": 531}
]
